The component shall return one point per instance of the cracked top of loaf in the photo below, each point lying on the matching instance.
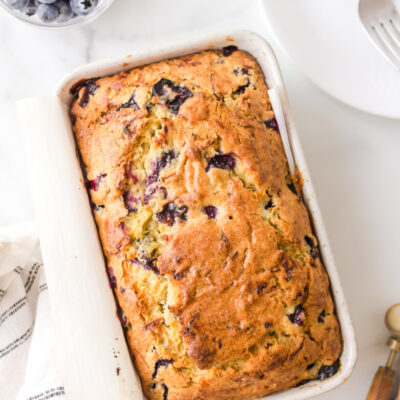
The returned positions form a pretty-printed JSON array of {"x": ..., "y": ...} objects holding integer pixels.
[{"x": 209, "y": 245}]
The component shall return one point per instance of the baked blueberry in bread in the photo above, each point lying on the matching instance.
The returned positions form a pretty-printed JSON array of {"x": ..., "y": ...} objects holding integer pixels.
[{"x": 209, "y": 245}]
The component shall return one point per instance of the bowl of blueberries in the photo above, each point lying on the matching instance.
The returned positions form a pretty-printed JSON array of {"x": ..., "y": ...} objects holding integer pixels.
[{"x": 56, "y": 13}]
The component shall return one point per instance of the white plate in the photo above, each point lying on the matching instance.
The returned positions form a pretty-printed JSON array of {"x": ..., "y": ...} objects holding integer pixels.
[{"x": 327, "y": 41}]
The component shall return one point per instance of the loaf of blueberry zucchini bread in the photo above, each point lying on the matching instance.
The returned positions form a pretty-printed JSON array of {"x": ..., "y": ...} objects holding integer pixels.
[{"x": 209, "y": 246}]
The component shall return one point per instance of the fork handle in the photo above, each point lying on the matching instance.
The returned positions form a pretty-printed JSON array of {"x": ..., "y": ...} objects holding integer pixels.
[{"x": 382, "y": 385}]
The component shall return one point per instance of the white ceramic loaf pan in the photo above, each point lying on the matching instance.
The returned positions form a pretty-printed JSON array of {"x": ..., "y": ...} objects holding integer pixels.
[{"x": 261, "y": 50}]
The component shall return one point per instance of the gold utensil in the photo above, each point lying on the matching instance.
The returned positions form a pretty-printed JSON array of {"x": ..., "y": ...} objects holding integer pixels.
[{"x": 382, "y": 385}]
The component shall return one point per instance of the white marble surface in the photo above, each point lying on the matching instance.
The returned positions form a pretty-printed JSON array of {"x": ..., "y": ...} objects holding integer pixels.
[{"x": 353, "y": 157}]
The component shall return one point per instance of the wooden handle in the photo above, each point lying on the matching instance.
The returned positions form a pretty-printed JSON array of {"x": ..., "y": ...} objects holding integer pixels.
[{"x": 381, "y": 387}]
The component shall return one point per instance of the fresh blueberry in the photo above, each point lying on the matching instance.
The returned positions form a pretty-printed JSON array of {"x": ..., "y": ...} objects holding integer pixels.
[
  {"x": 47, "y": 1},
  {"x": 30, "y": 9},
  {"x": 83, "y": 7},
  {"x": 222, "y": 161},
  {"x": 17, "y": 4},
  {"x": 47, "y": 13},
  {"x": 210, "y": 211},
  {"x": 65, "y": 11}
]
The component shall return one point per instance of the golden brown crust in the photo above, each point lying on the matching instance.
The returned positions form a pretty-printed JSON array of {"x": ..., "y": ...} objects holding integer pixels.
[{"x": 209, "y": 247}]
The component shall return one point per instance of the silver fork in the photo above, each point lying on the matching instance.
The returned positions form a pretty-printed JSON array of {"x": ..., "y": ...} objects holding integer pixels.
[{"x": 382, "y": 24}]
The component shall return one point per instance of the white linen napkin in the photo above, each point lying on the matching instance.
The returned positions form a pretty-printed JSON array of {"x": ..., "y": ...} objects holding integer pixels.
[{"x": 28, "y": 369}]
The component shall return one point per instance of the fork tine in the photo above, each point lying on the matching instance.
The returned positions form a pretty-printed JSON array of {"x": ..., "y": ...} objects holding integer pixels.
[
  {"x": 395, "y": 20},
  {"x": 382, "y": 30},
  {"x": 391, "y": 29},
  {"x": 384, "y": 42}
]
